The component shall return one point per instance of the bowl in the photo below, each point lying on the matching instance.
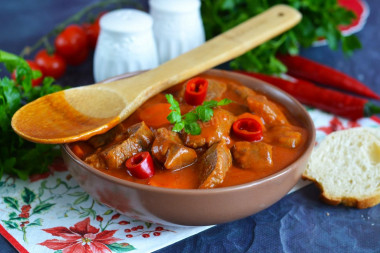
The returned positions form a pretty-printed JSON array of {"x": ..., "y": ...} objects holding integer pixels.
[{"x": 198, "y": 207}]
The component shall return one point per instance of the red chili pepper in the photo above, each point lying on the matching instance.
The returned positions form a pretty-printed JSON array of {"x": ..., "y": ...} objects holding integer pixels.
[
  {"x": 196, "y": 90},
  {"x": 140, "y": 165},
  {"x": 248, "y": 129},
  {"x": 336, "y": 102},
  {"x": 313, "y": 71}
]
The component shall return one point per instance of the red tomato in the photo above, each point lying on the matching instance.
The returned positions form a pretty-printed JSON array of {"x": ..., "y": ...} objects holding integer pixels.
[
  {"x": 70, "y": 43},
  {"x": 97, "y": 21},
  {"x": 51, "y": 65},
  {"x": 92, "y": 32},
  {"x": 33, "y": 66},
  {"x": 79, "y": 58}
]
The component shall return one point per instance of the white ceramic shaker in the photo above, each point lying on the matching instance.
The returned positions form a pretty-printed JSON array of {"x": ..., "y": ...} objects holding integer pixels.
[
  {"x": 125, "y": 44},
  {"x": 177, "y": 26}
]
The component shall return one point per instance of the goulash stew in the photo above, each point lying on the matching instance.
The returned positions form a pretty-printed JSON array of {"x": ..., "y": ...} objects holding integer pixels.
[{"x": 207, "y": 132}]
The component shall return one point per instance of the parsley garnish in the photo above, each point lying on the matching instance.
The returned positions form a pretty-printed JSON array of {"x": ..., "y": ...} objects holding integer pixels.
[
  {"x": 188, "y": 122},
  {"x": 18, "y": 156},
  {"x": 319, "y": 19}
]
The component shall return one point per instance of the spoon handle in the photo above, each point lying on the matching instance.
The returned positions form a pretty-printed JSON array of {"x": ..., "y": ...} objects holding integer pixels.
[{"x": 220, "y": 49}]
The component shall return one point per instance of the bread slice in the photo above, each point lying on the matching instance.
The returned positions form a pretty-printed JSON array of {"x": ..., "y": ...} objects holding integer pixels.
[{"x": 346, "y": 167}]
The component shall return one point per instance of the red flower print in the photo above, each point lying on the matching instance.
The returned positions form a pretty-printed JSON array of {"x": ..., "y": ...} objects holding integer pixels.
[
  {"x": 335, "y": 125},
  {"x": 25, "y": 208},
  {"x": 115, "y": 216},
  {"x": 81, "y": 238},
  {"x": 57, "y": 165},
  {"x": 25, "y": 211}
]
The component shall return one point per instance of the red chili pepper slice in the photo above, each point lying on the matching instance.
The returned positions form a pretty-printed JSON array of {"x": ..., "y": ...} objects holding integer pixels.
[
  {"x": 140, "y": 165},
  {"x": 248, "y": 129},
  {"x": 196, "y": 90}
]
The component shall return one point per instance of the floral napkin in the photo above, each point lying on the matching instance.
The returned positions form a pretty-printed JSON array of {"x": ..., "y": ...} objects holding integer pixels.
[{"x": 51, "y": 213}]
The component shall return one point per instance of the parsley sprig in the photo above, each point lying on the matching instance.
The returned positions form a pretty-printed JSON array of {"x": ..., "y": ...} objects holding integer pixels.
[
  {"x": 320, "y": 19},
  {"x": 18, "y": 156},
  {"x": 189, "y": 121}
]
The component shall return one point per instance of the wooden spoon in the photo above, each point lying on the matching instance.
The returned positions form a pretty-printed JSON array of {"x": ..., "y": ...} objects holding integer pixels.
[{"x": 79, "y": 113}]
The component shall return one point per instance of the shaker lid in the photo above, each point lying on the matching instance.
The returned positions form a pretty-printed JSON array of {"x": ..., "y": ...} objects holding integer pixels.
[
  {"x": 126, "y": 21},
  {"x": 175, "y": 5}
]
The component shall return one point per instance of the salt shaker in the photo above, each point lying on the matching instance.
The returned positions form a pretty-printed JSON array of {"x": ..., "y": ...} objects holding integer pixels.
[
  {"x": 126, "y": 43},
  {"x": 177, "y": 26}
]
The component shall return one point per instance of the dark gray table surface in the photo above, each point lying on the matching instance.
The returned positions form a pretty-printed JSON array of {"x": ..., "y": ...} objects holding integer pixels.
[{"x": 297, "y": 223}]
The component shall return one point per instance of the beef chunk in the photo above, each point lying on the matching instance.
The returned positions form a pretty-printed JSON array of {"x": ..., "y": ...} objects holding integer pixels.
[
  {"x": 266, "y": 109},
  {"x": 170, "y": 151},
  {"x": 215, "y": 89},
  {"x": 243, "y": 92},
  {"x": 252, "y": 155},
  {"x": 214, "y": 165},
  {"x": 217, "y": 129},
  {"x": 118, "y": 132},
  {"x": 140, "y": 137},
  {"x": 287, "y": 136},
  {"x": 95, "y": 161}
]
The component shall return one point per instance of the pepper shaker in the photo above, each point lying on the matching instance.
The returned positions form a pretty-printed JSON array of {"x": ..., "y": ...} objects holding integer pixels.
[
  {"x": 126, "y": 43},
  {"x": 177, "y": 26}
]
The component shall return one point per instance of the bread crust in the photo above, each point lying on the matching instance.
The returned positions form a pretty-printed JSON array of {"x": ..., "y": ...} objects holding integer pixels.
[{"x": 347, "y": 201}]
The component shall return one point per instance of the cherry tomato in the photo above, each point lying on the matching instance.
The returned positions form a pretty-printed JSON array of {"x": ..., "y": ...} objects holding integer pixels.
[
  {"x": 92, "y": 32},
  {"x": 97, "y": 21},
  {"x": 79, "y": 58},
  {"x": 33, "y": 66},
  {"x": 70, "y": 43},
  {"x": 51, "y": 65}
]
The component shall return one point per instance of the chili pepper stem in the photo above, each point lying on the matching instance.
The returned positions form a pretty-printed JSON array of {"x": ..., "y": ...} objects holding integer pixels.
[{"x": 371, "y": 109}]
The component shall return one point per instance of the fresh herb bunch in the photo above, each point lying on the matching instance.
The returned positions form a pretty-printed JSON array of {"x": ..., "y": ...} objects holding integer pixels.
[
  {"x": 18, "y": 156},
  {"x": 320, "y": 19},
  {"x": 189, "y": 121}
]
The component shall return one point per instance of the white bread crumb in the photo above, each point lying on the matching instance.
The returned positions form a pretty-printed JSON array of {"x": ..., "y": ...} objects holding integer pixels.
[{"x": 346, "y": 167}]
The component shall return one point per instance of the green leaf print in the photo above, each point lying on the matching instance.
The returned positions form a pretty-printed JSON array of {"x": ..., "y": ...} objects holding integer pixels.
[
  {"x": 77, "y": 194},
  {"x": 13, "y": 215},
  {"x": 37, "y": 222},
  {"x": 81, "y": 199},
  {"x": 109, "y": 211},
  {"x": 120, "y": 247},
  {"x": 12, "y": 202},
  {"x": 87, "y": 212},
  {"x": 42, "y": 207},
  {"x": 10, "y": 224},
  {"x": 28, "y": 196}
]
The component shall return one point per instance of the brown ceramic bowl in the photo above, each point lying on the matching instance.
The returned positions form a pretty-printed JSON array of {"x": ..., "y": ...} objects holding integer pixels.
[{"x": 198, "y": 206}]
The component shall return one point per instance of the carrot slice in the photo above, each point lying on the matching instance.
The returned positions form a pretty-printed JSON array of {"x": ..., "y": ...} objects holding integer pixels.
[
  {"x": 81, "y": 149},
  {"x": 155, "y": 115}
]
